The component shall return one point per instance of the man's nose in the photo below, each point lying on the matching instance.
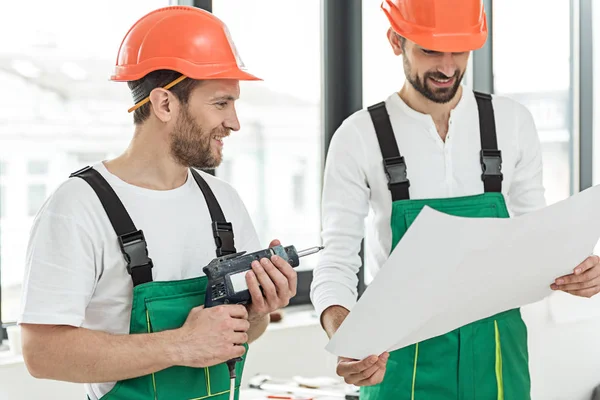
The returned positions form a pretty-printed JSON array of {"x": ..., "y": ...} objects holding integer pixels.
[
  {"x": 447, "y": 66},
  {"x": 232, "y": 122}
]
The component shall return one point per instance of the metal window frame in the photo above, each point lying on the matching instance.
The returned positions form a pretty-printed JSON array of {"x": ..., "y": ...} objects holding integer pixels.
[
  {"x": 583, "y": 97},
  {"x": 574, "y": 99},
  {"x": 342, "y": 79}
]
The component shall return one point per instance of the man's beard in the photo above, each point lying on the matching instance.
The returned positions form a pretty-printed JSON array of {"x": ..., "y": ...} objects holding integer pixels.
[
  {"x": 437, "y": 95},
  {"x": 191, "y": 145}
]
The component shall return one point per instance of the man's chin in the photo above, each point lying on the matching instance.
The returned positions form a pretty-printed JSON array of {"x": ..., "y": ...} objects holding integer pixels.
[
  {"x": 207, "y": 165},
  {"x": 442, "y": 96}
]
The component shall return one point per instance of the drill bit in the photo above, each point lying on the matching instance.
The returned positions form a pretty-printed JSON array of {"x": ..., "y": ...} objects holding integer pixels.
[{"x": 308, "y": 252}]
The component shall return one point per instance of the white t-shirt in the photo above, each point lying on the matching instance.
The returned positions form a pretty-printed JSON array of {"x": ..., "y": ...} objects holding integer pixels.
[
  {"x": 75, "y": 271},
  {"x": 355, "y": 182}
]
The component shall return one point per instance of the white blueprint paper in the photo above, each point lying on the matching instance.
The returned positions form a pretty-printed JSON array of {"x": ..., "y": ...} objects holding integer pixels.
[{"x": 449, "y": 271}]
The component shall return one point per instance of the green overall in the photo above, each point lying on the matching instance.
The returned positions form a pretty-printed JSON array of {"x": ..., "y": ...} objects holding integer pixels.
[
  {"x": 159, "y": 306},
  {"x": 484, "y": 360}
]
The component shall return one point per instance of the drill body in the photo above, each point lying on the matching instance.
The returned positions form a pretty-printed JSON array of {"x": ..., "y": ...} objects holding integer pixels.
[{"x": 227, "y": 275}]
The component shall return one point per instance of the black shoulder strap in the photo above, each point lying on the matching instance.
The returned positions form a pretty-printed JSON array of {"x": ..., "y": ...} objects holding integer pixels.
[
  {"x": 131, "y": 240},
  {"x": 222, "y": 230},
  {"x": 393, "y": 162},
  {"x": 490, "y": 156}
]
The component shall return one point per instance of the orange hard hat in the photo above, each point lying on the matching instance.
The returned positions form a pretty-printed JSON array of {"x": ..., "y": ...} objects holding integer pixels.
[
  {"x": 184, "y": 39},
  {"x": 439, "y": 25}
]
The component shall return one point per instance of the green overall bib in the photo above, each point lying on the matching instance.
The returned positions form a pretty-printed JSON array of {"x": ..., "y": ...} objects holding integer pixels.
[
  {"x": 158, "y": 306},
  {"x": 484, "y": 360}
]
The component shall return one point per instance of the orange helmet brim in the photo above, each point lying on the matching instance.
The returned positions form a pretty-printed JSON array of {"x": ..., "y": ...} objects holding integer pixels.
[{"x": 184, "y": 67}]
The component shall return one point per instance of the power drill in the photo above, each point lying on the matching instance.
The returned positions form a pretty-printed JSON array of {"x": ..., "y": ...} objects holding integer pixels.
[
  {"x": 227, "y": 281},
  {"x": 227, "y": 274}
]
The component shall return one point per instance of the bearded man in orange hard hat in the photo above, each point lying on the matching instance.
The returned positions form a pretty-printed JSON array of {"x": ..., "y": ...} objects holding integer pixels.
[
  {"x": 114, "y": 284},
  {"x": 434, "y": 143}
]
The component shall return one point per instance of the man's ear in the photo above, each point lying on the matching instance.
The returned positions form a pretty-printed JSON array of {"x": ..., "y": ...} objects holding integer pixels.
[
  {"x": 163, "y": 104},
  {"x": 394, "y": 41}
]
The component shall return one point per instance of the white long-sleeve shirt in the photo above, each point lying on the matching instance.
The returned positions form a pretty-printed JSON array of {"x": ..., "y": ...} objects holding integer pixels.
[{"x": 355, "y": 182}]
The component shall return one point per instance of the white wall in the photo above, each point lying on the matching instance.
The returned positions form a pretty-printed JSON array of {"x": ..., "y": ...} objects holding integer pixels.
[{"x": 565, "y": 357}]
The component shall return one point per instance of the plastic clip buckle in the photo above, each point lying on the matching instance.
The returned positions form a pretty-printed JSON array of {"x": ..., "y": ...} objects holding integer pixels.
[
  {"x": 134, "y": 248},
  {"x": 491, "y": 163},
  {"x": 223, "y": 234},
  {"x": 395, "y": 170}
]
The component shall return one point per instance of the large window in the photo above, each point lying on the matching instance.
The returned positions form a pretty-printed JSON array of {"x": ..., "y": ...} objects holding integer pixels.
[
  {"x": 274, "y": 161},
  {"x": 532, "y": 64},
  {"x": 62, "y": 112}
]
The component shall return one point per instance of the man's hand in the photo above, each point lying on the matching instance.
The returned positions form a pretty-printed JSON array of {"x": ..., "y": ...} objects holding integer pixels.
[
  {"x": 278, "y": 281},
  {"x": 366, "y": 372},
  {"x": 212, "y": 336},
  {"x": 584, "y": 281}
]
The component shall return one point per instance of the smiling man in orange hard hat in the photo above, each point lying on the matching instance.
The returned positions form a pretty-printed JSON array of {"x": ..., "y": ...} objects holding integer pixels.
[
  {"x": 114, "y": 282},
  {"x": 435, "y": 143}
]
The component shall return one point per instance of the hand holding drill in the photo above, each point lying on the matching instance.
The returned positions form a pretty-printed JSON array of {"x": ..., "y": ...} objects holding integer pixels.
[
  {"x": 278, "y": 281},
  {"x": 264, "y": 280}
]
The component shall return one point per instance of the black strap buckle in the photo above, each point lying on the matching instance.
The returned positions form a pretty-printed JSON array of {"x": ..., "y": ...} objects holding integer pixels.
[
  {"x": 135, "y": 251},
  {"x": 491, "y": 163},
  {"x": 395, "y": 170},
  {"x": 223, "y": 234}
]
